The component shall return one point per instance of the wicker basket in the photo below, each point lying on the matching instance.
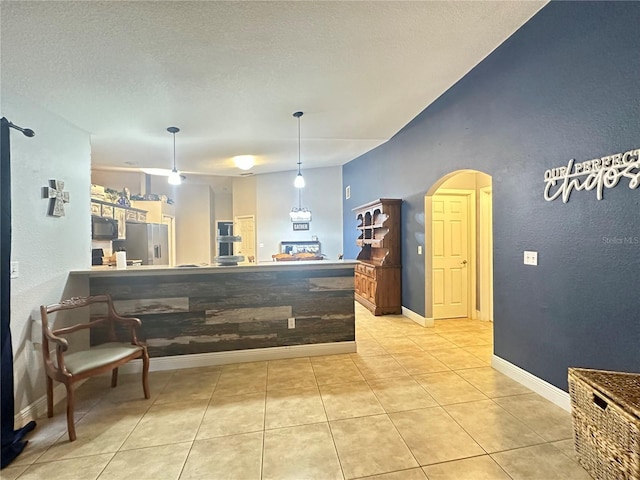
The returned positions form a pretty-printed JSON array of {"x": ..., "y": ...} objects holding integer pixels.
[{"x": 605, "y": 408}]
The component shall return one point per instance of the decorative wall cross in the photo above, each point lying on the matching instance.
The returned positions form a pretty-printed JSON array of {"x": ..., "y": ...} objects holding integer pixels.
[{"x": 57, "y": 197}]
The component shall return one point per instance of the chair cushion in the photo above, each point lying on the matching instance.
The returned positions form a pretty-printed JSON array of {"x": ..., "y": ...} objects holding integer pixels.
[{"x": 98, "y": 356}]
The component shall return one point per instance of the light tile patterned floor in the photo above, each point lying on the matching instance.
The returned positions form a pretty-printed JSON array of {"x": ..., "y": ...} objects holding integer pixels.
[{"x": 413, "y": 404}]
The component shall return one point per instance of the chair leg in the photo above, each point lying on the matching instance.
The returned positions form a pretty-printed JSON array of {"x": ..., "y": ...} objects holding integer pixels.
[
  {"x": 114, "y": 378},
  {"x": 145, "y": 374},
  {"x": 71, "y": 427},
  {"x": 49, "y": 397}
]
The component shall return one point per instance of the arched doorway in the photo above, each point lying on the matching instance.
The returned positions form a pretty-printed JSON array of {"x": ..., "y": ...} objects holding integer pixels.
[{"x": 459, "y": 247}]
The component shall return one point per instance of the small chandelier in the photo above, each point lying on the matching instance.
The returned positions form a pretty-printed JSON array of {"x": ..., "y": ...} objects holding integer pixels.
[
  {"x": 300, "y": 214},
  {"x": 174, "y": 176}
]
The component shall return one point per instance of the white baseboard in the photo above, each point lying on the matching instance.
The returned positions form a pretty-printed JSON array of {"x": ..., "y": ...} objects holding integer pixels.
[
  {"x": 545, "y": 389},
  {"x": 419, "y": 319},
  {"x": 39, "y": 408},
  {"x": 177, "y": 362}
]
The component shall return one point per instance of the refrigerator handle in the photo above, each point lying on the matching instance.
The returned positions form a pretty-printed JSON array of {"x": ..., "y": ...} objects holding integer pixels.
[{"x": 156, "y": 251}]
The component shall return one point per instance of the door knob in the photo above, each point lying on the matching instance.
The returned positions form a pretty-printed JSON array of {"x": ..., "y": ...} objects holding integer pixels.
[{"x": 464, "y": 262}]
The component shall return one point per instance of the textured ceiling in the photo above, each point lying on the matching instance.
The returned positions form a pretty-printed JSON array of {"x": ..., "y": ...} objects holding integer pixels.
[{"x": 230, "y": 74}]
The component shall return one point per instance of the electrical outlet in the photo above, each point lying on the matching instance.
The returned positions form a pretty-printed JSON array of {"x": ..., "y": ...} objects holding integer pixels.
[
  {"x": 419, "y": 249},
  {"x": 15, "y": 269},
  {"x": 292, "y": 323},
  {"x": 530, "y": 258}
]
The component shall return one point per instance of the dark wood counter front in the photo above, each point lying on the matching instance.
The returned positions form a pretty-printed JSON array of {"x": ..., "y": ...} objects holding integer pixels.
[{"x": 220, "y": 309}]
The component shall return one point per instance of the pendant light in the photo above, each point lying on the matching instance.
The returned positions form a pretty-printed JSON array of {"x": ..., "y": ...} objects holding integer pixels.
[
  {"x": 299, "y": 213},
  {"x": 174, "y": 176},
  {"x": 299, "y": 181}
]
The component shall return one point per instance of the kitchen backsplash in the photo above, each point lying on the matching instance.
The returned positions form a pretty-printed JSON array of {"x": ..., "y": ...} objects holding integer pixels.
[{"x": 105, "y": 245}]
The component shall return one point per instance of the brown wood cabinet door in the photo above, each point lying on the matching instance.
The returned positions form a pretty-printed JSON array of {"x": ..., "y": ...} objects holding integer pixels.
[{"x": 372, "y": 290}]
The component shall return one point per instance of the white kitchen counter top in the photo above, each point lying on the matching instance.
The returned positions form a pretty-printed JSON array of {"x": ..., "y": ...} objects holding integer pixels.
[{"x": 105, "y": 271}]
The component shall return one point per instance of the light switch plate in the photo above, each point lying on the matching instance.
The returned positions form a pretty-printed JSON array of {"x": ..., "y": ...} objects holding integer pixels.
[
  {"x": 530, "y": 258},
  {"x": 419, "y": 249},
  {"x": 15, "y": 269},
  {"x": 291, "y": 322}
]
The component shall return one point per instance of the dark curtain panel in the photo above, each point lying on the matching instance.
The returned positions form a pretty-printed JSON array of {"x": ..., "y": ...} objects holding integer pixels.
[{"x": 12, "y": 440}]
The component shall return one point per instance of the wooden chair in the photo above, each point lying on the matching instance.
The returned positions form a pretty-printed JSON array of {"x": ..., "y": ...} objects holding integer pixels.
[{"x": 69, "y": 368}]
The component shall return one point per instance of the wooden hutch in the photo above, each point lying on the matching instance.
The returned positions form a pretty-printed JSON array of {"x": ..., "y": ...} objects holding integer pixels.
[{"x": 378, "y": 277}]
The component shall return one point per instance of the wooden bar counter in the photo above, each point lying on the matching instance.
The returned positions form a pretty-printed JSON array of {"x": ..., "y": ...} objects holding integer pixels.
[{"x": 200, "y": 310}]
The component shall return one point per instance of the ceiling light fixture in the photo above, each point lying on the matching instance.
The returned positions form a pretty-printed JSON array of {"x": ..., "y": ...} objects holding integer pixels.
[
  {"x": 299, "y": 213},
  {"x": 299, "y": 181},
  {"x": 244, "y": 162},
  {"x": 174, "y": 176}
]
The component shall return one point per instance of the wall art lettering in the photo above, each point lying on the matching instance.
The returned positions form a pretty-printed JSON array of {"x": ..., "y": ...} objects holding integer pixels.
[{"x": 596, "y": 174}]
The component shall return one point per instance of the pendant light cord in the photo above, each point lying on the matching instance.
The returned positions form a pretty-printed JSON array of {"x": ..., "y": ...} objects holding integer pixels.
[
  {"x": 173, "y": 131},
  {"x": 174, "y": 150},
  {"x": 299, "y": 162},
  {"x": 174, "y": 177}
]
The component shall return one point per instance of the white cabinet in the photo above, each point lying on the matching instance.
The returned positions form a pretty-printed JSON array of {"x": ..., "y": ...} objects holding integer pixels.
[{"x": 155, "y": 209}]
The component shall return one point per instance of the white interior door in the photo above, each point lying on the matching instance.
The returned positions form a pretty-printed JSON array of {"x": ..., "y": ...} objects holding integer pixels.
[
  {"x": 245, "y": 226},
  {"x": 450, "y": 250}
]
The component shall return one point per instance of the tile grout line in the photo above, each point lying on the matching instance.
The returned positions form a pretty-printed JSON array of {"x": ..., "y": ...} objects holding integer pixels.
[{"x": 324, "y": 408}]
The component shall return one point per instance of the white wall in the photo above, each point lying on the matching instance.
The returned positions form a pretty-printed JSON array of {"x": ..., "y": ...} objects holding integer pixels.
[
  {"x": 212, "y": 226},
  {"x": 221, "y": 189},
  {"x": 193, "y": 231},
  {"x": 276, "y": 195},
  {"x": 244, "y": 196},
  {"x": 46, "y": 247},
  {"x": 223, "y": 207},
  {"x": 118, "y": 180}
]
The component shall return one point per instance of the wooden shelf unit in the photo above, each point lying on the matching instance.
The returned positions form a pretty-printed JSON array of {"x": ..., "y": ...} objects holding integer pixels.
[{"x": 378, "y": 279}]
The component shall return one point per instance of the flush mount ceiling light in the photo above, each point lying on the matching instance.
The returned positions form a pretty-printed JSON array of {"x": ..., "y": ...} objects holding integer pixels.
[
  {"x": 299, "y": 181},
  {"x": 174, "y": 176},
  {"x": 244, "y": 162}
]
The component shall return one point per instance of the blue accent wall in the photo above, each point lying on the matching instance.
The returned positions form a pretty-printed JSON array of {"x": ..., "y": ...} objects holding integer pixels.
[{"x": 565, "y": 85}]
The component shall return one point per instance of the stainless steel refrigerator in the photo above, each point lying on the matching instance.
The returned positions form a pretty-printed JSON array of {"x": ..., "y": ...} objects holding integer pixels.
[{"x": 148, "y": 242}]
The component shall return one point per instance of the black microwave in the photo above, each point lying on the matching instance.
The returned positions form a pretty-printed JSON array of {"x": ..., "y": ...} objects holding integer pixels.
[{"x": 104, "y": 228}]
